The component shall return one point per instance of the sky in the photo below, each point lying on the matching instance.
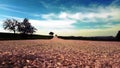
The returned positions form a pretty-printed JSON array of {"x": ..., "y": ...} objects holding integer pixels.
[{"x": 65, "y": 17}]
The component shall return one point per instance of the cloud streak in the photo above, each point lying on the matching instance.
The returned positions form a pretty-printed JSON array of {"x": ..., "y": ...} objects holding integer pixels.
[
  {"x": 9, "y": 8},
  {"x": 14, "y": 9}
]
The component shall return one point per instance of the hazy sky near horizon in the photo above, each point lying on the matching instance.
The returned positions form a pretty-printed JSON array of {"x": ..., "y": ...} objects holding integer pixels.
[{"x": 65, "y": 17}]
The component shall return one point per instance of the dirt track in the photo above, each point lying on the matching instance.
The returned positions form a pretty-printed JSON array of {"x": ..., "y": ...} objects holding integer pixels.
[{"x": 58, "y": 53}]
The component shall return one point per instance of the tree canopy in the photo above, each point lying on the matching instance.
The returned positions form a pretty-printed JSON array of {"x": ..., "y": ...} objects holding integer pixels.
[
  {"x": 10, "y": 24},
  {"x": 51, "y": 33},
  {"x": 24, "y": 27}
]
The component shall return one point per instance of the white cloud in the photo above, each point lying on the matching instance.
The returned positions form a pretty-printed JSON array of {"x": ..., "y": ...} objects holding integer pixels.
[
  {"x": 63, "y": 15},
  {"x": 53, "y": 24},
  {"x": 49, "y": 16},
  {"x": 105, "y": 14}
]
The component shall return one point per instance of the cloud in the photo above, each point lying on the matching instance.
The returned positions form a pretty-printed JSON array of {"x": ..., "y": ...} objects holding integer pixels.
[
  {"x": 102, "y": 13},
  {"x": 65, "y": 27},
  {"x": 13, "y": 9},
  {"x": 115, "y": 3},
  {"x": 53, "y": 24},
  {"x": 49, "y": 16},
  {"x": 105, "y": 17},
  {"x": 8, "y": 6}
]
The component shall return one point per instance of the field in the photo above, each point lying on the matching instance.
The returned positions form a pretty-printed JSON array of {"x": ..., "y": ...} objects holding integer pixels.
[
  {"x": 58, "y": 53},
  {"x": 17, "y": 36}
]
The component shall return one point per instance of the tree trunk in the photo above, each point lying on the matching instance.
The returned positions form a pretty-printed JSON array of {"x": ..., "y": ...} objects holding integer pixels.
[{"x": 14, "y": 31}]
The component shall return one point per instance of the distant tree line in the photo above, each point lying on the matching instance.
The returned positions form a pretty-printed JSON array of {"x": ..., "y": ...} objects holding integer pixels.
[{"x": 23, "y": 27}]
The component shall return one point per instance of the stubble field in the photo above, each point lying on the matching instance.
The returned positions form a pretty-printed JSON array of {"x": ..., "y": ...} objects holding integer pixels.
[{"x": 58, "y": 53}]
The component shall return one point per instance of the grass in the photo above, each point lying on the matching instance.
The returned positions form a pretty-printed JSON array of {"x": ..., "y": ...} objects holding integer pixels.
[
  {"x": 97, "y": 38},
  {"x": 11, "y": 36}
]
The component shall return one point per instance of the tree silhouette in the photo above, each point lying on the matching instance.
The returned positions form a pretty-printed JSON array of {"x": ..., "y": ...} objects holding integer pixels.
[
  {"x": 10, "y": 24},
  {"x": 25, "y": 27},
  {"x": 118, "y": 35},
  {"x": 51, "y": 33}
]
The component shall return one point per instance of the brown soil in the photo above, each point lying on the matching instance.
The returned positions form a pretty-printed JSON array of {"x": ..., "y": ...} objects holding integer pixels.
[{"x": 58, "y": 53}]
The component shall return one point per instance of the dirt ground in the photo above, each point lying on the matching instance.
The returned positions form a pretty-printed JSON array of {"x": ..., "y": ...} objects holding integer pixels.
[{"x": 58, "y": 53}]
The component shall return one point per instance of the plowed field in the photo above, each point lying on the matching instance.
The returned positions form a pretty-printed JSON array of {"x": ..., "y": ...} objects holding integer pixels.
[{"x": 58, "y": 53}]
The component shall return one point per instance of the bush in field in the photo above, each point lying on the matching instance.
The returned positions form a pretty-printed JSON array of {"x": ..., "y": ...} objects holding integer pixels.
[{"x": 51, "y": 33}]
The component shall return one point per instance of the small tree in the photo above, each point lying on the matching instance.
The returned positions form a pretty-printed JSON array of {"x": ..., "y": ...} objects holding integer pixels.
[
  {"x": 10, "y": 24},
  {"x": 51, "y": 33}
]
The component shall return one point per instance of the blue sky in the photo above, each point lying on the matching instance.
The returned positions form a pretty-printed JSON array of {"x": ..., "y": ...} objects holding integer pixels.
[{"x": 65, "y": 17}]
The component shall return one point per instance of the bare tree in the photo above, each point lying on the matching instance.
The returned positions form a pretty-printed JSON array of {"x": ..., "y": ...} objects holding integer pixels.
[{"x": 10, "y": 24}]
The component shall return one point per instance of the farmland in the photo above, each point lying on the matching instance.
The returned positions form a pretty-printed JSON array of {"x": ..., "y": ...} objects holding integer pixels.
[{"x": 58, "y": 53}]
